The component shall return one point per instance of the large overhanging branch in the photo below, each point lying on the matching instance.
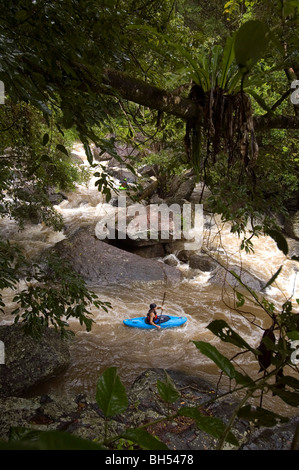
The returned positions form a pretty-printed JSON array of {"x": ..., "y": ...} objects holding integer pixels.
[
  {"x": 140, "y": 92},
  {"x": 276, "y": 122}
]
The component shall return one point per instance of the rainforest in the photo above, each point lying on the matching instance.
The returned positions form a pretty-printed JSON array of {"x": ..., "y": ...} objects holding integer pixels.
[{"x": 161, "y": 104}]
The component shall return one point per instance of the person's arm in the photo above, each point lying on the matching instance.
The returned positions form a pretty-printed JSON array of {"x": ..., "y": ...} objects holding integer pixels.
[{"x": 152, "y": 321}]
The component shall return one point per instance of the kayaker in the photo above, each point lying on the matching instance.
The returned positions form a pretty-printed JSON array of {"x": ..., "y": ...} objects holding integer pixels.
[{"x": 152, "y": 316}]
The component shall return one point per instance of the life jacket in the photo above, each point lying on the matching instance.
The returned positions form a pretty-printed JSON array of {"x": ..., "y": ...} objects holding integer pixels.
[{"x": 148, "y": 317}]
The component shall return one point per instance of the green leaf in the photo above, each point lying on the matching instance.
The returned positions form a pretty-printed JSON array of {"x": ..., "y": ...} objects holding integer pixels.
[
  {"x": 215, "y": 59},
  {"x": 143, "y": 439},
  {"x": 221, "y": 329},
  {"x": 241, "y": 299},
  {"x": 244, "y": 380},
  {"x": 259, "y": 99},
  {"x": 279, "y": 239},
  {"x": 273, "y": 278},
  {"x": 290, "y": 381},
  {"x": 213, "y": 426},
  {"x": 250, "y": 44},
  {"x": 88, "y": 153},
  {"x": 221, "y": 361},
  {"x": 293, "y": 335},
  {"x": 168, "y": 390},
  {"x": 62, "y": 149},
  {"x": 291, "y": 398},
  {"x": 261, "y": 416},
  {"x": 46, "y": 139},
  {"x": 227, "y": 60},
  {"x": 111, "y": 394}
]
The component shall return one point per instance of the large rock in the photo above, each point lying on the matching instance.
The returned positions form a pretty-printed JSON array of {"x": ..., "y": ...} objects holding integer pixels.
[
  {"x": 221, "y": 275},
  {"x": 81, "y": 416},
  {"x": 101, "y": 263},
  {"x": 181, "y": 186},
  {"x": 202, "y": 262},
  {"x": 30, "y": 361},
  {"x": 292, "y": 225}
]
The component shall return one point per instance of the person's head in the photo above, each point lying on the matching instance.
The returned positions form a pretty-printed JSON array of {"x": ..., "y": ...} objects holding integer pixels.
[{"x": 152, "y": 307}]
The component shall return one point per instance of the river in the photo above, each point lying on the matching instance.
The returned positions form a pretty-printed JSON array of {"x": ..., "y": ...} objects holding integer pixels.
[{"x": 110, "y": 343}]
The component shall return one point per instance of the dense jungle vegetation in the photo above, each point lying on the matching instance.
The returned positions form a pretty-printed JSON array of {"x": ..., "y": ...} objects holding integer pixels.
[{"x": 206, "y": 85}]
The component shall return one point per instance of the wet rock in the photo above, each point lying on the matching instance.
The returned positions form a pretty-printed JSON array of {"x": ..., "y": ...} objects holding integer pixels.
[
  {"x": 122, "y": 174},
  {"x": 30, "y": 361},
  {"x": 202, "y": 262},
  {"x": 181, "y": 187},
  {"x": 148, "y": 225},
  {"x": 171, "y": 260},
  {"x": 278, "y": 438},
  {"x": 153, "y": 251},
  {"x": 221, "y": 275},
  {"x": 293, "y": 247},
  {"x": 56, "y": 197},
  {"x": 80, "y": 415},
  {"x": 104, "y": 264},
  {"x": 184, "y": 255},
  {"x": 292, "y": 225},
  {"x": 148, "y": 170}
]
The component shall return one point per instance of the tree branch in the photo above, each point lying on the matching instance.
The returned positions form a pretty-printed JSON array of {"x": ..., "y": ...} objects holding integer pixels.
[
  {"x": 133, "y": 89},
  {"x": 276, "y": 122}
]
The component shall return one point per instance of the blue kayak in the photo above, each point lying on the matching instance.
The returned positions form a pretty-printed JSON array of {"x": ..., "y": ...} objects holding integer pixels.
[{"x": 166, "y": 321}]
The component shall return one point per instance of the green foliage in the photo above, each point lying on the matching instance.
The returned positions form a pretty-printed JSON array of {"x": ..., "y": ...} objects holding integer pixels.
[
  {"x": 34, "y": 162},
  {"x": 111, "y": 395},
  {"x": 250, "y": 44},
  {"x": 167, "y": 390},
  {"x": 54, "y": 294},
  {"x": 213, "y": 426}
]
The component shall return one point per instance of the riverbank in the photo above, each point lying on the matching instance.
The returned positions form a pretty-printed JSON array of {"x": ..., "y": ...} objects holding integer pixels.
[{"x": 81, "y": 416}]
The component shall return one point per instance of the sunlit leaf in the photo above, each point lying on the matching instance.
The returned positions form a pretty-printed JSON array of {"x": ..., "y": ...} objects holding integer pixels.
[
  {"x": 168, "y": 390},
  {"x": 221, "y": 361},
  {"x": 111, "y": 394}
]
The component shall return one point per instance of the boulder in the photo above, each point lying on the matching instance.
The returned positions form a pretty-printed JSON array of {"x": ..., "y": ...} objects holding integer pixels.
[
  {"x": 221, "y": 275},
  {"x": 183, "y": 185},
  {"x": 202, "y": 262},
  {"x": 104, "y": 264},
  {"x": 148, "y": 225},
  {"x": 30, "y": 361},
  {"x": 291, "y": 225}
]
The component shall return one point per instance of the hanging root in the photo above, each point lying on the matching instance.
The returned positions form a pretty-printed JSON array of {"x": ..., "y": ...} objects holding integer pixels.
[{"x": 228, "y": 126}]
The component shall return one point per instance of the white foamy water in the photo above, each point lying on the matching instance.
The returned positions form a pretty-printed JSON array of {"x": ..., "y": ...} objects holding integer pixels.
[{"x": 112, "y": 344}]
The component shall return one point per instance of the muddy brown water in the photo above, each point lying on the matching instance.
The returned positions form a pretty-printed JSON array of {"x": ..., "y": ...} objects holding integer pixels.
[{"x": 111, "y": 343}]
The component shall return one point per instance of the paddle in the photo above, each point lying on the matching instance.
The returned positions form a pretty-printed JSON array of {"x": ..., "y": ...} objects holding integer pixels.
[{"x": 162, "y": 306}]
